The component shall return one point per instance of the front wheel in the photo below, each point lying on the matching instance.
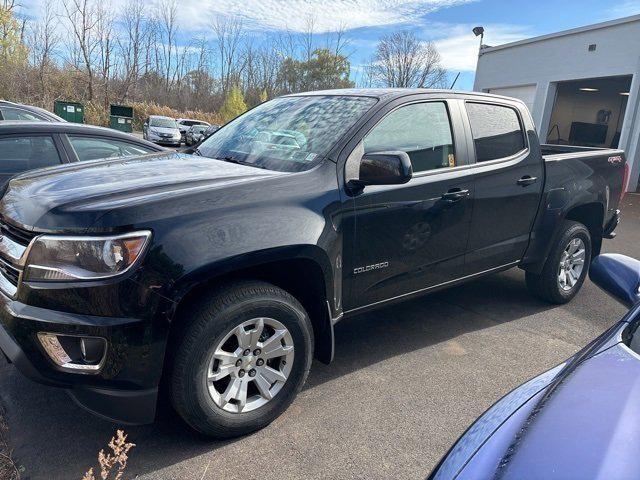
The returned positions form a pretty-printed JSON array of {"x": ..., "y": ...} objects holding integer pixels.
[
  {"x": 566, "y": 267},
  {"x": 242, "y": 360}
]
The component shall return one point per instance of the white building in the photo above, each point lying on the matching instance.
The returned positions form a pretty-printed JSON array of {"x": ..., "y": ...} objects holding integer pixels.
[{"x": 582, "y": 85}]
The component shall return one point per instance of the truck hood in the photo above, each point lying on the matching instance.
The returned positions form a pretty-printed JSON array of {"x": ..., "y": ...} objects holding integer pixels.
[{"x": 75, "y": 196}]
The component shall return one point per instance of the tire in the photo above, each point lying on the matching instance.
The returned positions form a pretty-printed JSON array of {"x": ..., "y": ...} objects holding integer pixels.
[
  {"x": 547, "y": 285},
  {"x": 219, "y": 316}
]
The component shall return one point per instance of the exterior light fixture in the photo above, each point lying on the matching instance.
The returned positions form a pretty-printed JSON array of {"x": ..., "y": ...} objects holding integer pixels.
[{"x": 479, "y": 32}]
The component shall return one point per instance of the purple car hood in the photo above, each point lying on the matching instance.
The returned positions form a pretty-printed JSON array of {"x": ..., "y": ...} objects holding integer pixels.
[
  {"x": 580, "y": 420},
  {"x": 587, "y": 426}
]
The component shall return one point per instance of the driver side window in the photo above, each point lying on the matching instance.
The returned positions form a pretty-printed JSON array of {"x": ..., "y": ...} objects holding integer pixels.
[{"x": 422, "y": 130}]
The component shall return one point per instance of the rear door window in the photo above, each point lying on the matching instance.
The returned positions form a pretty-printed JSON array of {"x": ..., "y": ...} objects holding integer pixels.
[
  {"x": 19, "y": 154},
  {"x": 88, "y": 148},
  {"x": 497, "y": 132}
]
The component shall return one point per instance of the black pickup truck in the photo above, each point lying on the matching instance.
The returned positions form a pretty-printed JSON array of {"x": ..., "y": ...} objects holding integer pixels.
[{"x": 216, "y": 277}]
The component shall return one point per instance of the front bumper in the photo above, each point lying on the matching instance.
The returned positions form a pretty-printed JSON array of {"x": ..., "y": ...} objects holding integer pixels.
[
  {"x": 116, "y": 393},
  {"x": 164, "y": 140}
]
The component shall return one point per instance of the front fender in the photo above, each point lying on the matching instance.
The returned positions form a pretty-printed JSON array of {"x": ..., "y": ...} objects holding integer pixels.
[{"x": 208, "y": 272}]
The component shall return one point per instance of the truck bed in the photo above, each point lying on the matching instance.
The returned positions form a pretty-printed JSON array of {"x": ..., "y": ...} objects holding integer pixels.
[{"x": 589, "y": 173}]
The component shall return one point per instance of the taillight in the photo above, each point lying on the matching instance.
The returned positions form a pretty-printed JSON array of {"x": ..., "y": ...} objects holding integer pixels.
[{"x": 625, "y": 179}]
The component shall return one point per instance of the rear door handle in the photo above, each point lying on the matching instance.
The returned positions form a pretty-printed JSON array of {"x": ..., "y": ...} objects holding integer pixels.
[
  {"x": 455, "y": 195},
  {"x": 527, "y": 180}
]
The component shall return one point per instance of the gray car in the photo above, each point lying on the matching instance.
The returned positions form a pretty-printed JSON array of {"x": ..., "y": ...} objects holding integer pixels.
[
  {"x": 161, "y": 130},
  {"x": 184, "y": 124},
  {"x": 27, "y": 145},
  {"x": 17, "y": 111},
  {"x": 195, "y": 134}
]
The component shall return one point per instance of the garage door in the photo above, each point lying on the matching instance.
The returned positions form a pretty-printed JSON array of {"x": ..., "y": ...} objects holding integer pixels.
[{"x": 526, "y": 93}]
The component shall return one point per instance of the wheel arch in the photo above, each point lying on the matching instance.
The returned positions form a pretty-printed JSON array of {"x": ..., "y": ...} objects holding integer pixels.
[
  {"x": 303, "y": 271},
  {"x": 590, "y": 214}
]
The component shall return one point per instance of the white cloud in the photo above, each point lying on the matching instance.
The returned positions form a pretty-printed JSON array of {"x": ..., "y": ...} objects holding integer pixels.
[
  {"x": 459, "y": 50},
  {"x": 328, "y": 15},
  {"x": 625, "y": 9}
]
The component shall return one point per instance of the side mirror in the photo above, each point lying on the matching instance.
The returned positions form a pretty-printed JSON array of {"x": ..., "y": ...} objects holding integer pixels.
[
  {"x": 383, "y": 168},
  {"x": 618, "y": 275}
]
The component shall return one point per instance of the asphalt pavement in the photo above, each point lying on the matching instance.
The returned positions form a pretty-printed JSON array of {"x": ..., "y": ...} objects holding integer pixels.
[{"x": 406, "y": 382}]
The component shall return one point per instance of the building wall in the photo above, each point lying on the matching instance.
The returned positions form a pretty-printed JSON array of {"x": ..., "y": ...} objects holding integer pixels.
[{"x": 555, "y": 58}]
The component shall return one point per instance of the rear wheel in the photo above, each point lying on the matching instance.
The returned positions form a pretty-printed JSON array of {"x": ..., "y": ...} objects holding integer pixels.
[
  {"x": 242, "y": 360},
  {"x": 566, "y": 267}
]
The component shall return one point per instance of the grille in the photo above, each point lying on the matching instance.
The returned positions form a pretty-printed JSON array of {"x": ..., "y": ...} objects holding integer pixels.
[
  {"x": 17, "y": 234},
  {"x": 13, "y": 238},
  {"x": 10, "y": 272}
]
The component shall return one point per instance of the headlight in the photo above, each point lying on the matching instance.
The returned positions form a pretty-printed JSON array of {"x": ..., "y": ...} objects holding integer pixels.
[{"x": 63, "y": 258}]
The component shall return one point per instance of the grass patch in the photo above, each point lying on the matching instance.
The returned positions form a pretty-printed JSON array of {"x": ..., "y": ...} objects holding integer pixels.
[{"x": 8, "y": 469}]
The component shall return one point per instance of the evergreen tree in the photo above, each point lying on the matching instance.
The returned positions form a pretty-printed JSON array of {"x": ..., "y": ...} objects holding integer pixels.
[{"x": 233, "y": 105}]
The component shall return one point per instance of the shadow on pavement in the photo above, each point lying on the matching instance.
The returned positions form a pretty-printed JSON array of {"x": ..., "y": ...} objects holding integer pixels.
[{"x": 44, "y": 422}]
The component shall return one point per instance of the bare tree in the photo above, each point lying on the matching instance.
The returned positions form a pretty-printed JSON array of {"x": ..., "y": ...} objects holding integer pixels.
[
  {"x": 403, "y": 60},
  {"x": 307, "y": 40},
  {"x": 106, "y": 44},
  {"x": 82, "y": 18},
  {"x": 168, "y": 12},
  {"x": 97, "y": 51},
  {"x": 132, "y": 46},
  {"x": 229, "y": 35},
  {"x": 43, "y": 42}
]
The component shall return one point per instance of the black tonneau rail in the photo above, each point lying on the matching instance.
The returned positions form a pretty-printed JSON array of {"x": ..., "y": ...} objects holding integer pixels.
[{"x": 559, "y": 152}]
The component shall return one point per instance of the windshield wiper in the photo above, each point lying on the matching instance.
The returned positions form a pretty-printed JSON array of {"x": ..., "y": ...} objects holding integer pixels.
[{"x": 231, "y": 159}]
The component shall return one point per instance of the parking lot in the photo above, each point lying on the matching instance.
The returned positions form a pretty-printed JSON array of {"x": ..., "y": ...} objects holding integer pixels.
[{"x": 406, "y": 382}]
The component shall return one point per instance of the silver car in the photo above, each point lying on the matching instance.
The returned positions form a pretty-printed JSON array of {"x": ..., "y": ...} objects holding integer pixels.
[{"x": 161, "y": 130}]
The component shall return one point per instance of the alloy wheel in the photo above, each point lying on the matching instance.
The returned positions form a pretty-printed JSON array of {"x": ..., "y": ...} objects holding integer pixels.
[
  {"x": 250, "y": 365},
  {"x": 571, "y": 264}
]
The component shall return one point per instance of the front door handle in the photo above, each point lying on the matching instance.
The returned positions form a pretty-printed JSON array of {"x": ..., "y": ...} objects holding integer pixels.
[
  {"x": 527, "y": 180},
  {"x": 455, "y": 195}
]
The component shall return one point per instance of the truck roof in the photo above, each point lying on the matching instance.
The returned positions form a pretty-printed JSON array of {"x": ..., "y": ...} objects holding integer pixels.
[{"x": 381, "y": 93}]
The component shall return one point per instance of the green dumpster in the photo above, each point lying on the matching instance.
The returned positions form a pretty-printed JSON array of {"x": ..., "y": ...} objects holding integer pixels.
[
  {"x": 70, "y": 111},
  {"x": 121, "y": 118}
]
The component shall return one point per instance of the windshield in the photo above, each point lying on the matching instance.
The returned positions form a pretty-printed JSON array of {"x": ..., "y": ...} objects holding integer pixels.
[
  {"x": 163, "y": 122},
  {"x": 199, "y": 128},
  {"x": 287, "y": 134}
]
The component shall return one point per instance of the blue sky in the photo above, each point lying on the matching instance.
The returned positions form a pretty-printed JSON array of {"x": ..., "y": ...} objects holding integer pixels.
[
  {"x": 447, "y": 23},
  {"x": 504, "y": 21}
]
